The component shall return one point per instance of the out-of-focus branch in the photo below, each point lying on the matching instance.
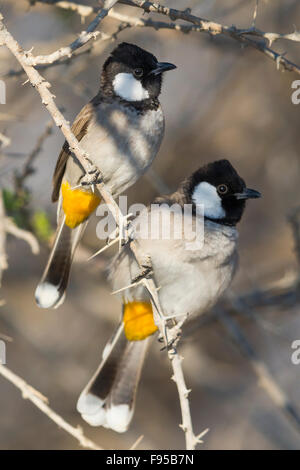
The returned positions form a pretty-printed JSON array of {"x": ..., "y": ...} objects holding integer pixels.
[
  {"x": 265, "y": 378},
  {"x": 3, "y": 256},
  {"x": 200, "y": 25},
  {"x": 204, "y": 25},
  {"x": 25, "y": 235},
  {"x": 82, "y": 10},
  {"x": 214, "y": 28},
  {"x": 5, "y": 141},
  {"x": 63, "y": 61},
  {"x": 270, "y": 37},
  {"x": 41, "y": 402},
  {"x": 7, "y": 226},
  {"x": 294, "y": 220},
  {"x": 90, "y": 50},
  {"x": 27, "y": 169}
]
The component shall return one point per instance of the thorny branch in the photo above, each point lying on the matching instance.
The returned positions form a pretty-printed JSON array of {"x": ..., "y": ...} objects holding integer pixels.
[
  {"x": 199, "y": 25},
  {"x": 84, "y": 38},
  {"x": 217, "y": 28},
  {"x": 244, "y": 36},
  {"x": 93, "y": 174},
  {"x": 255, "y": 13},
  {"x": 3, "y": 257},
  {"x": 91, "y": 50}
]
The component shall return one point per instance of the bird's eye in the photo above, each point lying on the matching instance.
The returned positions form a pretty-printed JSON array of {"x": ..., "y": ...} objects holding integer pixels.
[
  {"x": 138, "y": 73},
  {"x": 222, "y": 189}
]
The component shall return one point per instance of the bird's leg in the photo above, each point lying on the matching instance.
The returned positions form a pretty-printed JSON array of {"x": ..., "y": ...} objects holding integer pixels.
[
  {"x": 124, "y": 236},
  {"x": 171, "y": 345},
  {"x": 175, "y": 332},
  {"x": 144, "y": 274},
  {"x": 92, "y": 177}
]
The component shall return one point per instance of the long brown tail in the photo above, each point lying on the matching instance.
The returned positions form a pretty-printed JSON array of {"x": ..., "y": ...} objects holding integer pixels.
[
  {"x": 50, "y": 292},
  {"x": 109, "y": 398}
]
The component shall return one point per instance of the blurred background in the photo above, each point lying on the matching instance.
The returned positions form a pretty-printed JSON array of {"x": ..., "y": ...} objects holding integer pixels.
[{"x": 223, "y": 101}]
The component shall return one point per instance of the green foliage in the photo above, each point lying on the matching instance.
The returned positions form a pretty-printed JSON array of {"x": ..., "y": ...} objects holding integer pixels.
[
  {"x": 14, "y": 206},
  {"x": 41, "y": 225}
]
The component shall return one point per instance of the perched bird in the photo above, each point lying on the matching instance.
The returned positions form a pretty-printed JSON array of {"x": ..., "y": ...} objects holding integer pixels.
[
  {"x": 190, "y": 281},
  {"x": 121, "y": 130}
]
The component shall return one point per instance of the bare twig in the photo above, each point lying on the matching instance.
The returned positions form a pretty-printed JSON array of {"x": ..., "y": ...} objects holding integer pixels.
[
  {"x": 17, "y": 232},
  {"x": 6, "y": 337},
  {"x": 214, "y": 28},
  {"x": 62, "y": 61},
  {"x": 41, "y": 402},
  {"x": 64, "y": 55},
  {"x": 176, "y": 360},
  {"x": 3, "y": 257},
  {"x": 4, "y": 140},
  {"x": 200, "y": 24},
  {"x": 137, "y": 442},
  {"x": 82, "y": 10},
  {"x": 255, "y": 13},
  {"x": 84, "y": 38},
  {"x": 294, "y": 220}
]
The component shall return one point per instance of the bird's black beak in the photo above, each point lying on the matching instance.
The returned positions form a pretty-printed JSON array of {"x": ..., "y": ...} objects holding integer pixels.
[
  {"x": 162, "y": 67},
  {"x": 248, "y": 194}
]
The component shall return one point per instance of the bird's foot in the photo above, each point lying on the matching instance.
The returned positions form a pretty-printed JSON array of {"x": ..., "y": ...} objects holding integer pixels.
[{"x": 92, "y": 177}]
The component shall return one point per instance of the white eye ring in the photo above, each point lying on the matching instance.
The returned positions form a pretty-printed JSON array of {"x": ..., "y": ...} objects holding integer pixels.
[{"x": 222, "y": 189}]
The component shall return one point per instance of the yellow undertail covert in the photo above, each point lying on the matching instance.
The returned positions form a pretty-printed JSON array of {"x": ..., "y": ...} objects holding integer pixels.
[
  {"x": 138, "y": 320},
  {"x": 77, "y": 204}
]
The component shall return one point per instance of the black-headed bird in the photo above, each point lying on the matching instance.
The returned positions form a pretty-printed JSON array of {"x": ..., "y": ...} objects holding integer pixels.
[
  {"x": 121, "y": 130},
  {"x": 191, "y": 268}
]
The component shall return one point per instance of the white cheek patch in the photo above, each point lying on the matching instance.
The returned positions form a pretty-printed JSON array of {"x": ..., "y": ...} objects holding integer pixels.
[
  {"x": 206, "y": 194},
  {"x": 128, "y": 88}
]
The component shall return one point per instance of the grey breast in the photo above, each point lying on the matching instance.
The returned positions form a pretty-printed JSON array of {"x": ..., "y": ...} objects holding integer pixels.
[
  {"x": 123, "y": 143},
  {"x": 190, "y": 281}
]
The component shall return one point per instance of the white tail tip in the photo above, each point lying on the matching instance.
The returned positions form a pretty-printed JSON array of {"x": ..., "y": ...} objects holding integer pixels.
[
  {"x": 118, "y": 417},
  {"x": 91, "y": 409},
  {"x": 46, "y": 295}
]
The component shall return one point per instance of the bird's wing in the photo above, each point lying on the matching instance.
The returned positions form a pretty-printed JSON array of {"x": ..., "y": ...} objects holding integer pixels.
[{"x": 79, "y": 129}]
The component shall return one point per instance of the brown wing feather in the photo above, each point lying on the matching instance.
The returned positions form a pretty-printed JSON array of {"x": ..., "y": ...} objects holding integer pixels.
[{"x": 79, "y": 129}]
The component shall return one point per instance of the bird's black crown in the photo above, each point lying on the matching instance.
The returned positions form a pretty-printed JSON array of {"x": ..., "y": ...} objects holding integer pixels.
[
  {"x": 129, "y": 58},
  {"x": 230, "y": 188}
]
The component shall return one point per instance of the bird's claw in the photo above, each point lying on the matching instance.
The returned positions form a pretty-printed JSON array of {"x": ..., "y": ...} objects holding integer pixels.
[
  {"x": 171, "y": 346},
  {"x": 92, "y": 177},
  {"x": 144, "y": 274}
]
